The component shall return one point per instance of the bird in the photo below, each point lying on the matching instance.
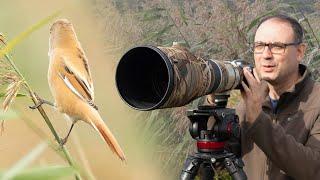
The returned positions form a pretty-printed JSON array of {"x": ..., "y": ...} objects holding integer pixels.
[{"x": 71, "y": 85}]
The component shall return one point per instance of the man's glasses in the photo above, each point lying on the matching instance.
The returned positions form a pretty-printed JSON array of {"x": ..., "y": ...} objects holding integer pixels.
[{"x": 275, "y": 48}]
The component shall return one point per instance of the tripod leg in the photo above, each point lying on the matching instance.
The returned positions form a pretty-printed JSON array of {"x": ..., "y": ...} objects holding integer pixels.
[
  {"x": 234, "y": 167},
  {"x": 206, "y": 172},
  {"x": 190, "y": 168}
]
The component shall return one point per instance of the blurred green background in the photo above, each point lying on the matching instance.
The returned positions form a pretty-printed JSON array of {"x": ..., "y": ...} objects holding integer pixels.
[{"x": 31, "y": 58}]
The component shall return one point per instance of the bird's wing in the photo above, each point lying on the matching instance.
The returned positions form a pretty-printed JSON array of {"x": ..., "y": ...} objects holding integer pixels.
[{"x": 76, "y": 75}]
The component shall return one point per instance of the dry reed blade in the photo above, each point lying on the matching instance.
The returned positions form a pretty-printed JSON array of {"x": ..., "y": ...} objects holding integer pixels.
[{"x": 11, "y": 93}]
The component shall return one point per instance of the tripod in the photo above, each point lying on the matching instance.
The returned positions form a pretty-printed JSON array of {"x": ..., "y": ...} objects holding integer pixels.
[{"x": 212, "y": 144}]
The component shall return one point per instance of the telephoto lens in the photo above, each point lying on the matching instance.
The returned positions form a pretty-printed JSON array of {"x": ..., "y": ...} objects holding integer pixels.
[{"x": 149, "y": 77}]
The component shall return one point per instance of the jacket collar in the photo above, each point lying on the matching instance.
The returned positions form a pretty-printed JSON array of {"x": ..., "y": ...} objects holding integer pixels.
[
  {"x": 305, "y": 74},
  {"x": 294, "y": 90}
]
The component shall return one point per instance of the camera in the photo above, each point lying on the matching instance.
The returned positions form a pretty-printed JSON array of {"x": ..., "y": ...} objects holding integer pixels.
[{"x": 149, "y": 77}]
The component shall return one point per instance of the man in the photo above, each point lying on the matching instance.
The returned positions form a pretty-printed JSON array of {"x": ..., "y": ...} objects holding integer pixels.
[{"x": 279, "y": 111}]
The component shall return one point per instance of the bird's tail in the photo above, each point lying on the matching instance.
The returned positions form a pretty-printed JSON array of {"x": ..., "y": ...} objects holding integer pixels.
[{"x": 99, "y": 125}]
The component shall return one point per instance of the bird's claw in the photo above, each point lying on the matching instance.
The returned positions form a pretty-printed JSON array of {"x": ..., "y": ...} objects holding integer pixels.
[
  {"x": 36, "y": 106},
  {"x": 40, "y": 102},
  {"x": 63, "y": 141}
]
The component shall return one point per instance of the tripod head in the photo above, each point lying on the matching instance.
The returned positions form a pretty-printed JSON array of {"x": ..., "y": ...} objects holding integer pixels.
[
  {"x": 219, "y": 143},
  {"x": 226, "y": 126}
]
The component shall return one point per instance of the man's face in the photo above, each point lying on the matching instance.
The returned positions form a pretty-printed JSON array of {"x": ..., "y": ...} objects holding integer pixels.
[{"x": 276, "y": 68}]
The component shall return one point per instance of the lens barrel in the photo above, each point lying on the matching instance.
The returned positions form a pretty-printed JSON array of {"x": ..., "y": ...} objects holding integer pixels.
[{"x": 149, "y": 77}]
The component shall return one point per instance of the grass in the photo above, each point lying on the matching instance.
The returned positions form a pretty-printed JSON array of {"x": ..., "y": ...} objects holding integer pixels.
[{"x": 221, "y": 30}]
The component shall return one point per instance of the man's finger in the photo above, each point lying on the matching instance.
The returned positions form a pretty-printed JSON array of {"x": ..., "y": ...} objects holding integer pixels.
[
  {"x": 249, "y": 77},
  {"x": 245, "y": 87},
  {"x": 210, "y": 98}
]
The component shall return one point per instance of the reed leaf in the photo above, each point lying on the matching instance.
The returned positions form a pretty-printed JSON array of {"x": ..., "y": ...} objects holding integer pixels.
[
  {"x": 182, "y": 12},
  {"x": 158, "y": 34},
  {"x": 24, "y": 162},
  {"x": 47, "y": 173},
  {"x": 10, "y": 114},
  {"x": 18, "y": 95},
  {"x": 152, "y": 14}
]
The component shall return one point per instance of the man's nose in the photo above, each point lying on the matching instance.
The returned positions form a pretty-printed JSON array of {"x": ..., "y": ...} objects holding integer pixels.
[{"x": 267, "y": 54}]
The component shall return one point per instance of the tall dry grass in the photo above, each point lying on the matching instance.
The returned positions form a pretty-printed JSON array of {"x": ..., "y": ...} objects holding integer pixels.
[{"x": 221, "y": 30}]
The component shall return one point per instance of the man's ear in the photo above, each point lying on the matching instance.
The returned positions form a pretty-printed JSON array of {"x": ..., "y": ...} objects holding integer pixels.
[{"x": 301, "y": 51}]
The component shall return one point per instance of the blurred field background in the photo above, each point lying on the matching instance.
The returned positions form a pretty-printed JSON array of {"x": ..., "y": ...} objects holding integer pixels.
[
  {"x": 156, "y": 143},
  {"x": 31, "y": 58},
  {"x": 220, "y": 30}
]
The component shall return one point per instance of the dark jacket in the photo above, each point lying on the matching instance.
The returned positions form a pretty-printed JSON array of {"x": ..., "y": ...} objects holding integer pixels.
[{"x": 285, "y": 144}]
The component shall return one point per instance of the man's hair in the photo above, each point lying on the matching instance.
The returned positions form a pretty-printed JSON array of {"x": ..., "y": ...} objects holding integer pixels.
[{"x": 295, "y": 25}]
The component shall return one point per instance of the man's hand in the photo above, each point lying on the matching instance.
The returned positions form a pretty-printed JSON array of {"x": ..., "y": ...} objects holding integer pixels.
[
  {"x": 253, "y": 94},
  {"x": 210, "y": 99}
]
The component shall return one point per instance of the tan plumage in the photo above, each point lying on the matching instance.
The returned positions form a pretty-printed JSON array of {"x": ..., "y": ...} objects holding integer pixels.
[{"x": 70, "y": 81}]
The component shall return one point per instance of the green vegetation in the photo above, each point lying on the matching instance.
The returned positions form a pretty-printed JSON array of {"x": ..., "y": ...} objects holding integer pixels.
[{"x": 221, "y": 30}]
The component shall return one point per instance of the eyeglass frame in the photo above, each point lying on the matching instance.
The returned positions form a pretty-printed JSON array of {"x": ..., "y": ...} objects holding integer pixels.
[{"x": 284, "y": 46}]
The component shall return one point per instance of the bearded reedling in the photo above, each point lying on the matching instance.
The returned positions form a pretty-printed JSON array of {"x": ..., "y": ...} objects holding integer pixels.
[{"x": 71, "y": 84}]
